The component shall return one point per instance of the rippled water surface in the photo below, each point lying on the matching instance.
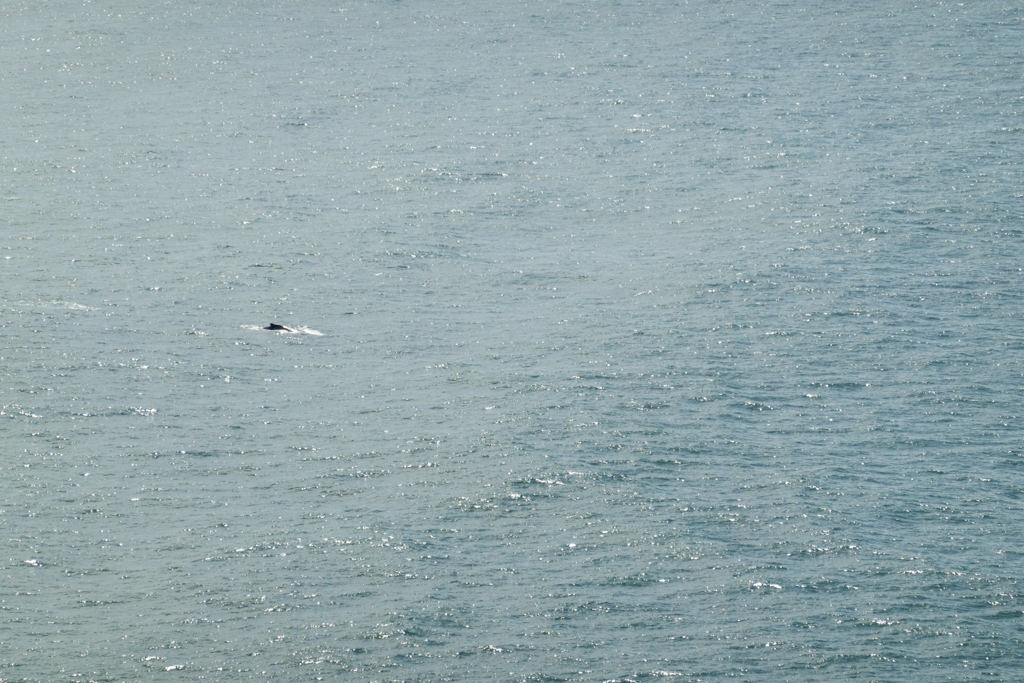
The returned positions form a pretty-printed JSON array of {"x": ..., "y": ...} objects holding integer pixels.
[{"x": 658, "y": 340}]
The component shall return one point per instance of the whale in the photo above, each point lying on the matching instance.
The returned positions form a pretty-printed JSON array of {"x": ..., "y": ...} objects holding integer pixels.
[{"x": 285, "y": 329}]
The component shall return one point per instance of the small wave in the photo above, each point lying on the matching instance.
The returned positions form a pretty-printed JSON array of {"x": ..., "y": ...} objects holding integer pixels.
[{"x": 69, "y": 305}]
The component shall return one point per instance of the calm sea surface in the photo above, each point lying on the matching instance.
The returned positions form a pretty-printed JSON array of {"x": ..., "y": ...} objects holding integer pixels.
[{"x": 669, "y": 340}]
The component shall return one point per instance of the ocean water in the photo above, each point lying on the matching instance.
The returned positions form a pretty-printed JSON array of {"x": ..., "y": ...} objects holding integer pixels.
[{"x": 657, "y": 340}]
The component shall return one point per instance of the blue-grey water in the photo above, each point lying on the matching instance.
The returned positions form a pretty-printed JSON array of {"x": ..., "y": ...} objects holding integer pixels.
[{"x": 659, "y": 340}]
